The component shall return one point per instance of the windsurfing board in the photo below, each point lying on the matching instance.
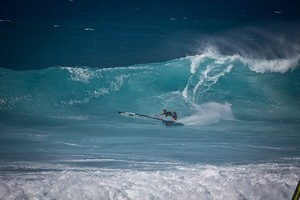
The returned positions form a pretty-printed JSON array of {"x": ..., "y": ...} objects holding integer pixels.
[{"x": 142, "y": 116}]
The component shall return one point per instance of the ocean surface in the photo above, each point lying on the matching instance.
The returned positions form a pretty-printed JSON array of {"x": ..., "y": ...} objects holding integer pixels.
[{"x": 230, "y": 70}]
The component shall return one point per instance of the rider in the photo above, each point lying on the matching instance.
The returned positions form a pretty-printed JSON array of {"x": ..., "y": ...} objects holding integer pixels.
[{"x": 172, "y": 114}]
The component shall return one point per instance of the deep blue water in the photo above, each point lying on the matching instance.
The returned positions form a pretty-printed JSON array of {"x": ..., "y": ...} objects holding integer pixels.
[
  {"x": 229, "y": 69},
  {"x": 42, "y": 34}
]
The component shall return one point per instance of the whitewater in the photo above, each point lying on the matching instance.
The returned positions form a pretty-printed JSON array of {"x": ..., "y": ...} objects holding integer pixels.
[{"x": 62, "y": 138}]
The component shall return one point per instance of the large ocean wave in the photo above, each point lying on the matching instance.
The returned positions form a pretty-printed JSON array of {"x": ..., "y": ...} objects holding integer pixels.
[{"x": 203, "y": 89}]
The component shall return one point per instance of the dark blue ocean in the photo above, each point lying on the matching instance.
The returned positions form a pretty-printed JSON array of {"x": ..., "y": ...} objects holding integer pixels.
[{"x": 230, "y": 69}]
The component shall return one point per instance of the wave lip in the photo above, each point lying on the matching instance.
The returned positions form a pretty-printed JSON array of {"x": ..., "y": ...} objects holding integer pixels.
[{"x": 272, "y": 66}]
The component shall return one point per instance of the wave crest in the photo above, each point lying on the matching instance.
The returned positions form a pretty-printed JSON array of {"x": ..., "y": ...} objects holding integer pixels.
[{"x": 272, "y": 66}]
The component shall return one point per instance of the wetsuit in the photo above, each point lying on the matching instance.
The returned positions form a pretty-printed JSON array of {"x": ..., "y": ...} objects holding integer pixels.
[{"x": 172, "y": 114}]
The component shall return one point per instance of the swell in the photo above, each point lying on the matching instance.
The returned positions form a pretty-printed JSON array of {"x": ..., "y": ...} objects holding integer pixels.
[{"x": 203, "y": 89}]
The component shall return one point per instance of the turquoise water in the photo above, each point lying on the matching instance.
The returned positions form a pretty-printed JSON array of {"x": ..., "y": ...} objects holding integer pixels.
[{"x": 61, "y": 135}]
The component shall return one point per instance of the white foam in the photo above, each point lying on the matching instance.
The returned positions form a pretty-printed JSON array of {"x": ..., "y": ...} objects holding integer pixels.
[
  {"x": 265, "y": 181},
  {"x": 272, "y": 66},
  {"x": 209, "y": 53},
  {"x": 9, "y": 103},
  {"x": 75, "y": 101},
  {"x": 208, "y": 113},
  {"x": 89, "y": 29},
  {"x": 113, "y": 85},
  {"x": 263, "y": 65},
  {"x": 72, "y": 117},
  {"x": 5, "y": 20},
  {"x": 206, "y": 70},
  {"x": 69, "y": 144},
  {"x": 80, "y": 74},
  {"x": 107, "y": 83}
]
